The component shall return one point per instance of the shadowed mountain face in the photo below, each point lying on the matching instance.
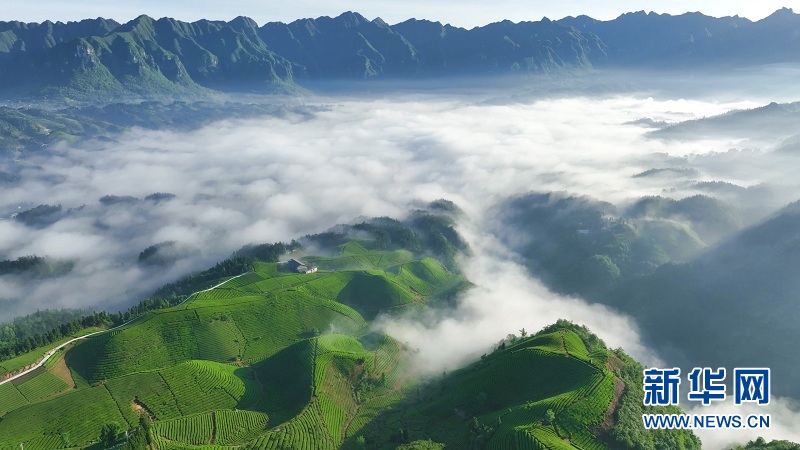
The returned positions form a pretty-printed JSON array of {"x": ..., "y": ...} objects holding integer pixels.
[
  {"x": 769, "y": 122},
  {"x": 348, "y": 46},
  {"x": 19, "y": 37},
  {"x": 661, "y": 40},
  {"x": 148, "y": 57},
  {"x": 166, "y": 56},
  {"x": 704, "y": 290},
  {"x": 503, "y": 47},
  {"x": 736, "y": 299}
]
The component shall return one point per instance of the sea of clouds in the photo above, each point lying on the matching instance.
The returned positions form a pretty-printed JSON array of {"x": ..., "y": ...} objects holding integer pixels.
[{"x": 272, "y": 179}]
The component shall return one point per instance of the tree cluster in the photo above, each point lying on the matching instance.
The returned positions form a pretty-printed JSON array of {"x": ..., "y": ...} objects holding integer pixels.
[
  {"x": 629, "y": 432},
  {"x": 36, "y": 267},
  {"x": 15, "y": 342}
]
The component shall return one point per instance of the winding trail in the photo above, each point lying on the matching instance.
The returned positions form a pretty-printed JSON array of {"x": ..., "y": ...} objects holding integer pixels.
[{"x": 52, "y": 352}]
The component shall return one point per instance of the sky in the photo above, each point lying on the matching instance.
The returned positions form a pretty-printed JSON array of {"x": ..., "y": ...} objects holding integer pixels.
[{"x": 464, "y": 13}]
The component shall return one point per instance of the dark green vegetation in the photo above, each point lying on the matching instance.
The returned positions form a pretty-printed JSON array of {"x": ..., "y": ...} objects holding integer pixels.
[
  {"x": 628, "y": 431},
  {"x": 147, "y": 57},
  {"x": 162, "y": 254},
  {"x": 35, "y": 267},
  {"x": 429, "y": 231},
  {"x": 559, "y": 389},
  {"x": 585, "y": 246},
  {"x": 762, "y": 444},
  {"x": 42, "y": 328},
  {"x": 744, "y": 283},
  {"x": 40, "y": 216},
  {"x": 651, "y": 260}
]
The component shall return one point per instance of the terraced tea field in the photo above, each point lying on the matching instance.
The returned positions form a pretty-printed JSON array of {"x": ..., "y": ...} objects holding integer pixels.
[
  {"x": 279, "y": 360},
  {"x": 216, "y": 370},
  {"x": 508, "y": 392}
]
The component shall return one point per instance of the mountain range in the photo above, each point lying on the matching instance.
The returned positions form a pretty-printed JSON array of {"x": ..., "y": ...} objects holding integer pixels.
[{"x": 149, "y": 57}]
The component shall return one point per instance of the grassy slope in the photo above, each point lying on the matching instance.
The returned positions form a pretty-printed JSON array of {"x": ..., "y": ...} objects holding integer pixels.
[
  {"x": 250, "y": 344},
  {"x": 508, "y": 393},
  {"x": 378, "y": 281},
  {"x": 33, "y": 357},
  {"x": 272, "y": 360},
  {"x": 80, "y": 414}
]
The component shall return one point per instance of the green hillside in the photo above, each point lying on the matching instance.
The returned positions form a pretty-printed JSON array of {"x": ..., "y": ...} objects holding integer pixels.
[
  {"x": 580, "y": 245},
  {"x": 275, "y": 359},
  {"x": 548, "y": 391},
  {"x": 749, "y": 280}
]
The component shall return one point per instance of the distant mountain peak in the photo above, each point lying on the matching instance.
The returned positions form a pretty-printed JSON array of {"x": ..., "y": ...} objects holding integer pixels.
[
  {"x": 144, "y": 18},
  {"x": 351, "y": 19},
  {"x": 421, "y": 22},
  {"x": 141, "y": 22},
  {"x": 782, "y": 14},
  {"x": 640, "y": 13},
  {"x": 243, "y": 22}
]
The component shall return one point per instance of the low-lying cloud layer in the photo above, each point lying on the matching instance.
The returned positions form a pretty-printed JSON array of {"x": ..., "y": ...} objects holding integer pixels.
[
  {"x": 270, "y": 179},
  {"x": 505, "y": 301}
]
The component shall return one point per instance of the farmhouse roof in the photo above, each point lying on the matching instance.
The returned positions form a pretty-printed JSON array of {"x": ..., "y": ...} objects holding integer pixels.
[{"x": 294, "y": 264}]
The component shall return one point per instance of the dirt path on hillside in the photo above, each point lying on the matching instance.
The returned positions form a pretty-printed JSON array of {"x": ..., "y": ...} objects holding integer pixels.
[
  {"x": 52, "y": 352},
  {"x": 60, "y": 369}
]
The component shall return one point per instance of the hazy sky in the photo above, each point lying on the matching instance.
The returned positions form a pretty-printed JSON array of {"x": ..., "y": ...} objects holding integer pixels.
[{"x": 466, "y": 13}]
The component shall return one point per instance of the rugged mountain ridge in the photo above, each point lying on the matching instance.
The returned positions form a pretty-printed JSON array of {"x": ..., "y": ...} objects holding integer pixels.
[
  {"x": 149, "y": 57},
  {"x": 694, "y": 39}
]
